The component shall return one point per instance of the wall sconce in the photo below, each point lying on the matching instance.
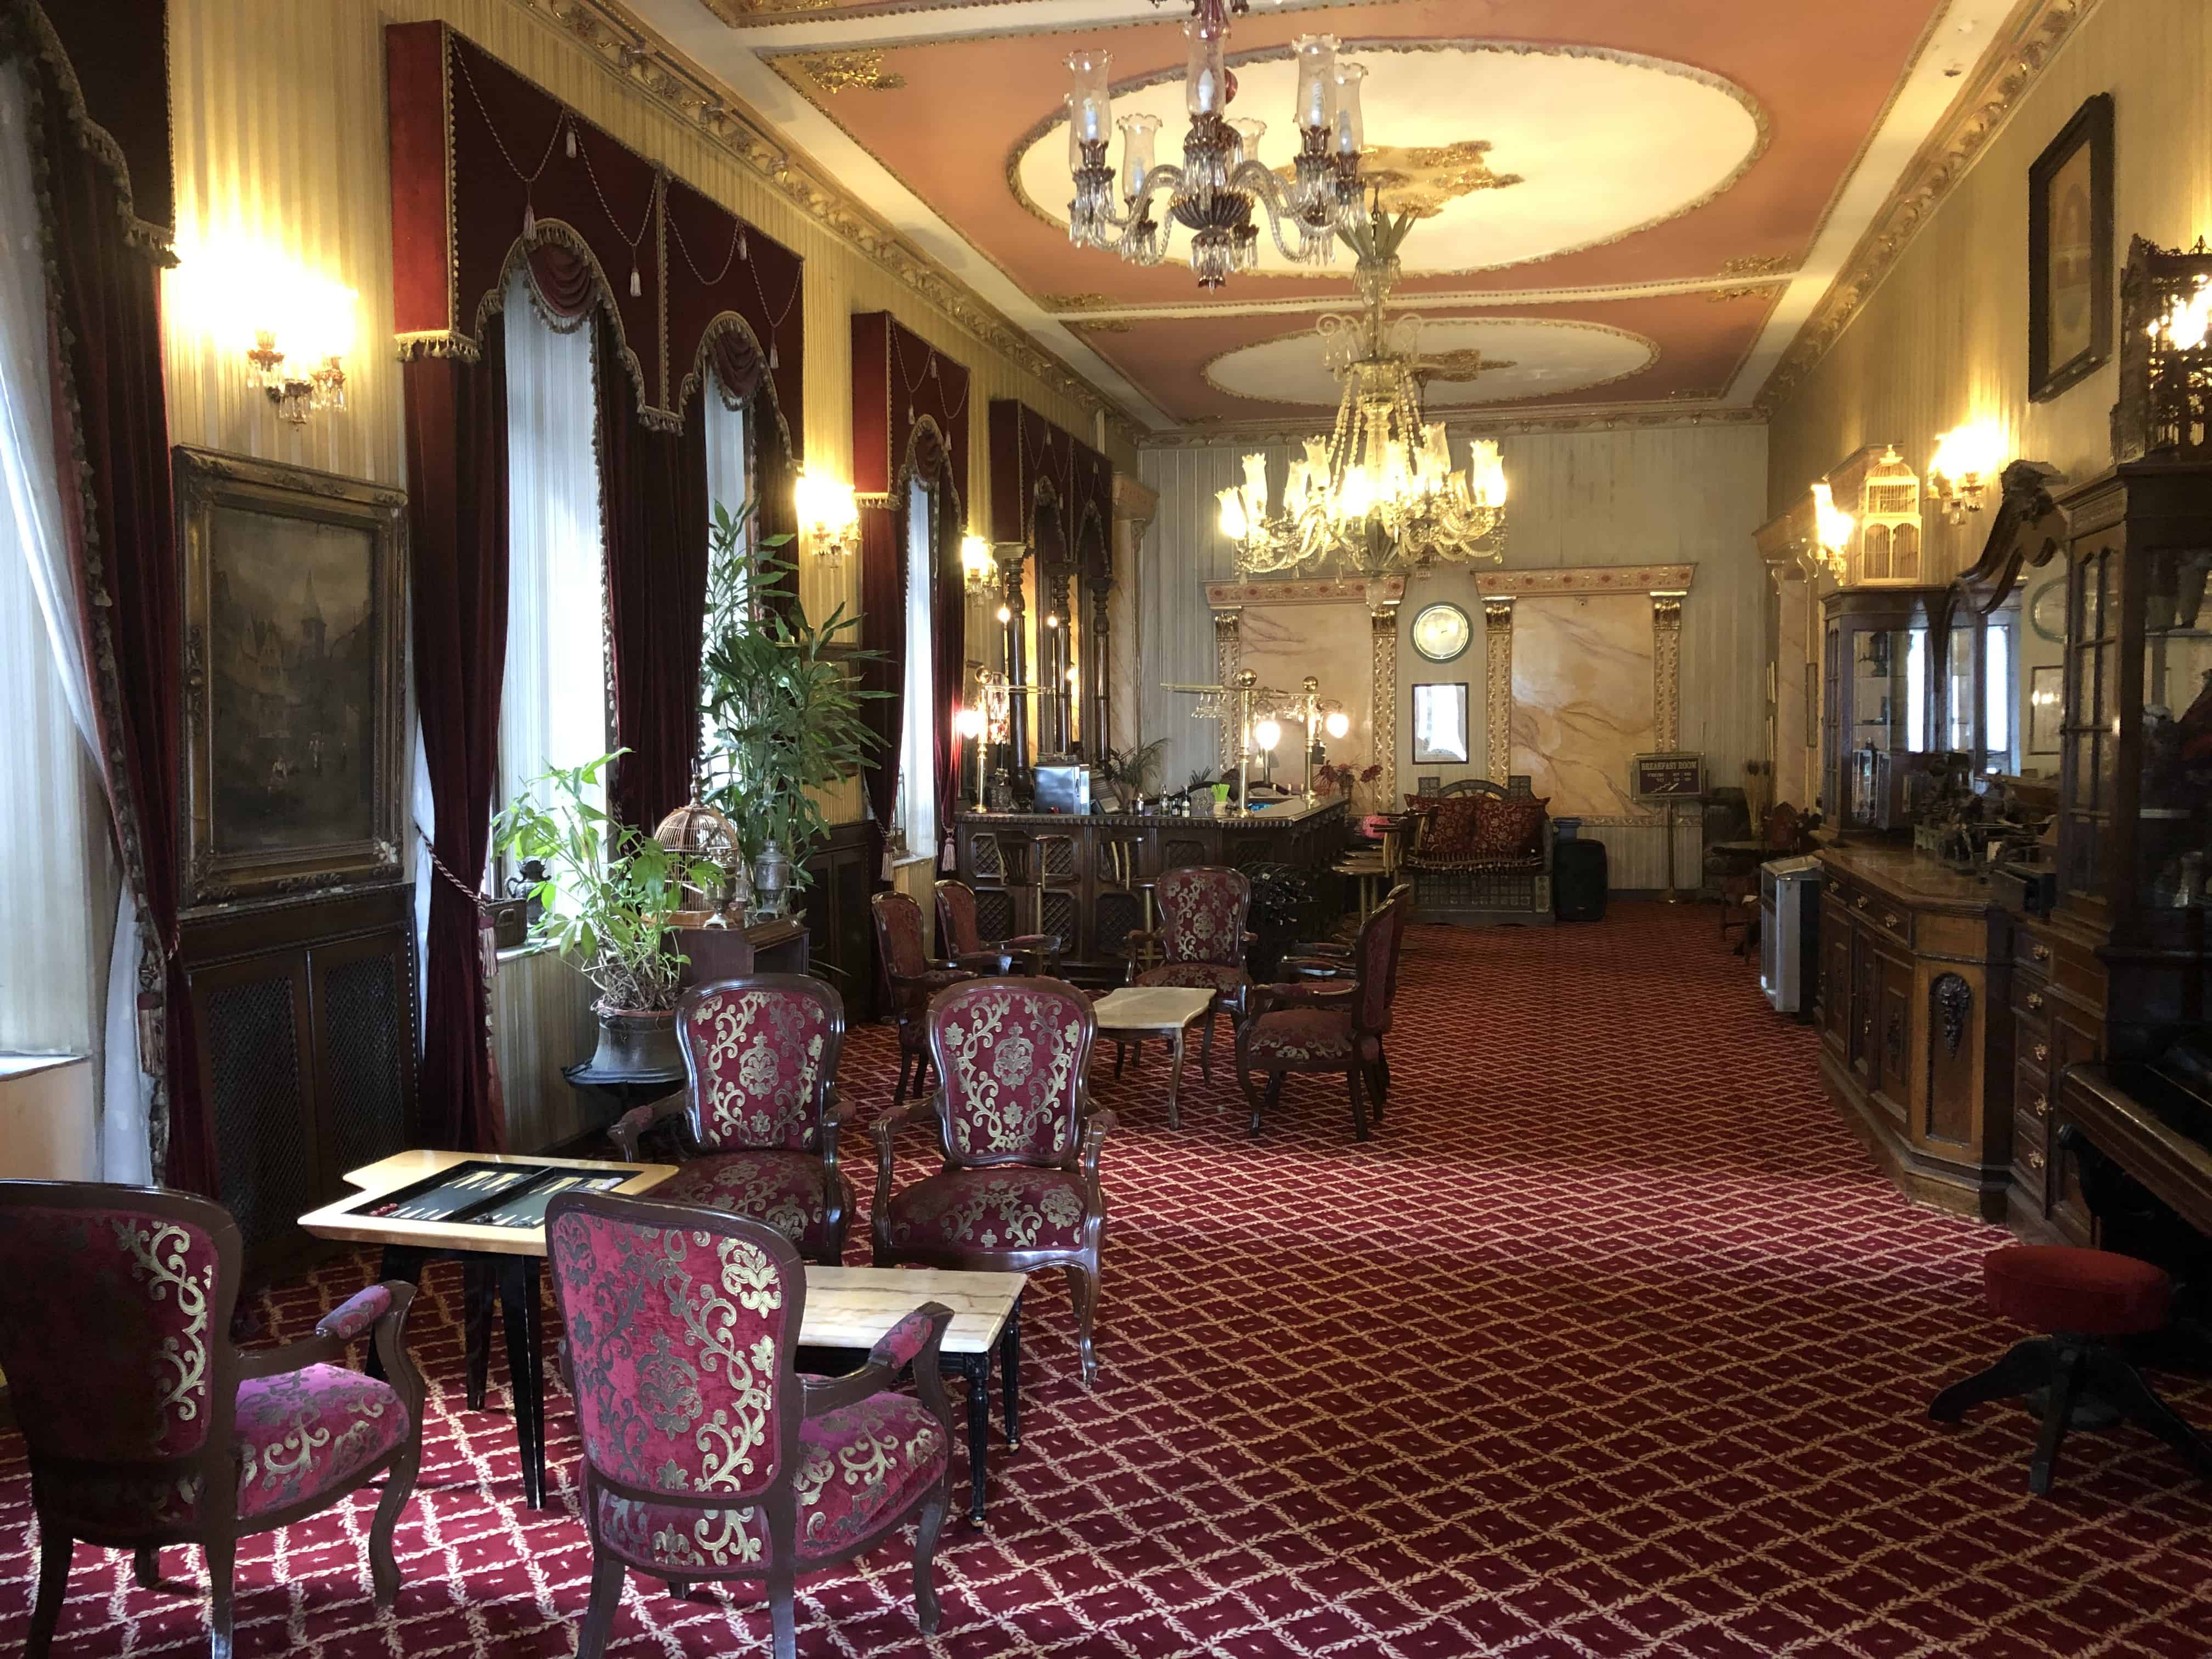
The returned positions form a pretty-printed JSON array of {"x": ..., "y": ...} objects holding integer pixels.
[
  {"x": 289, "y": 329},
  {"x": 829, "y": 513},
  {"x": 975, "y": 564},
  {"x": 1964, "y": 464},
  {"x": 295, "y": 398},
  {"x": 1833, "y": 529},
  {"x": 1338, "y": 725}
]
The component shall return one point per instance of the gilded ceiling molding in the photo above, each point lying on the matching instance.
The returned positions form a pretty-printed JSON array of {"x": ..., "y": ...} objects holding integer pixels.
[
  {"x": 841, "y": 71},
  {"x": 1941, "y": 161},
  {"x": 1376, "y": 592},
  {"x": 630, "y": 52},
  {"x": 1207, "y": 433},
  {"x": 1673, "y": 579}
]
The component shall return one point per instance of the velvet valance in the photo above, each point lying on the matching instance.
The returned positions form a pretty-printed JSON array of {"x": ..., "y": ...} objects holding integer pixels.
[
  {"x": 1026, "y": 451},
  {"x": 479, "y": 153},
  {"x": 898, "y": 379}
]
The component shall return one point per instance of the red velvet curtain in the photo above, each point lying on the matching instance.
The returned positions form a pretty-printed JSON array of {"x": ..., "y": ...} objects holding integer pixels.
[
  {"x": 652, "y": 491},
  {"x": 113, "y": 437},
  {"x": 457, "y": 520}
]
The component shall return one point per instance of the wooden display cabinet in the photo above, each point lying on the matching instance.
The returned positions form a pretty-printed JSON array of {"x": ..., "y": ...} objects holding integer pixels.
[{"x": 1877, "y": 702}]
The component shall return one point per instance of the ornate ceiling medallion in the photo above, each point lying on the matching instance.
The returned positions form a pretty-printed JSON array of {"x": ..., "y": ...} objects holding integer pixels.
[
  {"x": 836, "y": 71},
  {"x": 1463, "y": 364},
  {"x": 1423, "y": 179}
]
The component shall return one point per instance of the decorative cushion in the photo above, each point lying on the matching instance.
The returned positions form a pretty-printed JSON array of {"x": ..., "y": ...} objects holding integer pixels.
[
  {"x": 2059, "y": 1288},
  {"x": 784, "y": 1189},
  {"x": 675, "y": 1340},
  {"x": 1230, "y": 982},
  {"x": 1510, "y": 829},
  {"x": 1012, "y": 1052},
  {"x": 857, "y": 1468},
  {"x": 756, "y": 1055},
  {"x": 1202, "y": 915},
  {"x": 356, "y": 1314},
  {"x": 300, "y": 1434},
  {"x": 1000, "y": 1209},
  {"x": 1454, "y": 826},
  {"x": 1297, "y": 1036}
]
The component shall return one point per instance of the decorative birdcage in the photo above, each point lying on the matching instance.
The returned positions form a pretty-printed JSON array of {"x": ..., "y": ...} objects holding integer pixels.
[
  {"x": 1882, "y": 495},
  {"x": 2166, "y": 353},
  {"x": 703, "y": 833}
]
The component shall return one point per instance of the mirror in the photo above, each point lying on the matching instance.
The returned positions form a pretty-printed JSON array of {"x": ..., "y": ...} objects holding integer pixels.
[{"x": 1440, "y": 725}]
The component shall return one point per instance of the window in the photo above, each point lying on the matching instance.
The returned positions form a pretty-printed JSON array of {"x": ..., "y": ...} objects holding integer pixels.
[
  {"x": 2001, "y": 751},
  {"x": 917, "y": 784},
  {"x": 553, "y": 708},
  {"x": 729, "y": 483}
]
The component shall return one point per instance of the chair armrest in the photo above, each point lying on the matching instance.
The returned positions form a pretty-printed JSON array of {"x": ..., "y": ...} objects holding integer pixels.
[
  {"x": 381, "y": 1310},
  {"x": 836, "y": 1115},
  {"x": 356, "y": 1314},
  {"x": 984, "y": 962},
  {"x": 1137, "y": 946},
  {"x": 914, "y": 1340},
  {"x": 1096, "y": 1126},
  {"x": 630, "y": 1128},
  {"x": 883, "y": 1130},
  {"x": 254, "y": 1363},
  {"x": 1320, "y": 948},
  {"x": 1313, "y": 968},
  {"x": 1264, "y": 999}
]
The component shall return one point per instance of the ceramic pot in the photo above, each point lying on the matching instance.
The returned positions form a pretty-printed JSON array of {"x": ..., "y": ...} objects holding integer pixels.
[{"x": 637, "y": 1042}]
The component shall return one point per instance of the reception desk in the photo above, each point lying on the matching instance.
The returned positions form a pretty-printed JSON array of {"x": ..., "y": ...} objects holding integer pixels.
[{"x": 1088, "y": 879}]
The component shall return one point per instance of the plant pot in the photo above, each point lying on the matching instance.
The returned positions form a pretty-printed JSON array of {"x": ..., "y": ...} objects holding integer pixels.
[{"x": 636, "y": 1043}]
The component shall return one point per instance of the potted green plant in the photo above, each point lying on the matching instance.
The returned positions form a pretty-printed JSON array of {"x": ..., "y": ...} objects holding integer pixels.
[
  {"x": 1135, "y": 772},
  {"x": 780, "y": 708},
  {"x": 608, "y": 894}
]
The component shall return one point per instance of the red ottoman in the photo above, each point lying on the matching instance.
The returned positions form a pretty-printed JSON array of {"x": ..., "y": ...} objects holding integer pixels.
[{"x": 2087, "y": 1302}]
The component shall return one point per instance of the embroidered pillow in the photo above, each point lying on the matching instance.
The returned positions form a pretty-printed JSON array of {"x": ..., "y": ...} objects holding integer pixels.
[
  {"x": 1510, "y": 828},
  {"x": 1453, "y": 828}
]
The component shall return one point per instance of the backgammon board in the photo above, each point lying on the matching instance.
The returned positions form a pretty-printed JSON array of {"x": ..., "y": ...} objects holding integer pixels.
[{"x": 469, "y": 1201}]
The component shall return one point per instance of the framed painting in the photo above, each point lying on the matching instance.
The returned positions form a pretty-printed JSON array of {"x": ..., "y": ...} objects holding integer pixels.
[
  {"x": 293, "y": 620},
  {"x": 1440, "y": 725},
  {"x": 2070, "y": 252}
]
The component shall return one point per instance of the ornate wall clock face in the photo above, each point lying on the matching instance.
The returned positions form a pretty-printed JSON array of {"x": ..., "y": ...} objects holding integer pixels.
[{"x": 1442, "y": 632}]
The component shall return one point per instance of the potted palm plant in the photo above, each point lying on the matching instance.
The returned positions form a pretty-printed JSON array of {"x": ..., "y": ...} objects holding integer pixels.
[
  {"x": 781, "y": 708},
  {"x": 609, "y": 895}
]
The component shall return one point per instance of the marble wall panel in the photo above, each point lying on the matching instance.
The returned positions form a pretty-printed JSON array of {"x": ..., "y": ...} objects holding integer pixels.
[
  {"x": 1582, "y": 698},
  {"x": 1329, "y": 638}
]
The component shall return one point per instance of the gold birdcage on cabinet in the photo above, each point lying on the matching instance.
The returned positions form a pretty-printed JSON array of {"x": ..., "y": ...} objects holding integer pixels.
[{"x": 1882, "y": 495}]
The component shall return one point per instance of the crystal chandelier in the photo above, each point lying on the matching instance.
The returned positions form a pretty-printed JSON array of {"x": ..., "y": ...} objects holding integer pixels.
[
  {"x": 1380, "y": 492},
  {"x": 1221, "y": 186}
]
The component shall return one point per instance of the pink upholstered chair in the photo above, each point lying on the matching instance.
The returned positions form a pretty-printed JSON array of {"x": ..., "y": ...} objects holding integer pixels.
[
  {"x": 1328, "y": 1025},
  {"x": 146, "y": 1426},
  {"x": 1200, "y": 940},
  {"x": 756, "y": 1124},
  {"x": 1019, "y": 1190},
  {"x": 915, "y": 978},
  {"x": 705, "y": 1454},
  {"x": 961, "y": 935}
]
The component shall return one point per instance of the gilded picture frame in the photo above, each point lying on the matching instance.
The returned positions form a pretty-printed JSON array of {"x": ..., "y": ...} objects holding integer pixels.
[
  {"x": 2070, "y": 252},
  {"x": 294, "y": 624}
]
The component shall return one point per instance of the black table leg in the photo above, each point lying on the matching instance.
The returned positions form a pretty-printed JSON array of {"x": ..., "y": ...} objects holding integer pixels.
[
  {"x": 479, "y": 1290},
  {"x": 525, "y": 1369},
  {"x": 400, "y": 1261},
  {"x": 1010, "y": 1364},
  {"x": 975, "y": 1368}
]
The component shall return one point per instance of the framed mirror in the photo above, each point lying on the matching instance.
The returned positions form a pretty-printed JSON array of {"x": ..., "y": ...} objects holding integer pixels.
[{"x": 1440, "y": 725}]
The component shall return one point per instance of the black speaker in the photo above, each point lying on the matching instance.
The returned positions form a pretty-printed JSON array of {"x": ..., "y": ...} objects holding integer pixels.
[{"x": 1578, "y": 880}]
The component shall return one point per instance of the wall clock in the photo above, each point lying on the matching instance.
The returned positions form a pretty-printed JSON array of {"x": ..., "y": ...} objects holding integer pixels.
[
  {"x": 1442, "y": 632},
  {"x": 2046, "y": 609}
]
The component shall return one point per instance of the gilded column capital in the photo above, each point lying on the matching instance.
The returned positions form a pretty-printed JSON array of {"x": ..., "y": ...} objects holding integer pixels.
[
  {"x": 1382, "y": 625},
  {"x": 1667, "y": 668}
]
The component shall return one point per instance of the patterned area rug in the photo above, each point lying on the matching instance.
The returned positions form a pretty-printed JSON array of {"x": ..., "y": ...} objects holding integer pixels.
[{"x": 1613, "y": 1342}]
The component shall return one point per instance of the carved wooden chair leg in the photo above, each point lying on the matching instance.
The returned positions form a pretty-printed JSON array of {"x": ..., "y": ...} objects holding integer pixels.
[
  {"x": 222, "y": 1555},
  {"x": 1206, "y": 1046},
  {"x": 383, "y": 1563},
  {"x": 783, "y": 1612},
  {"x": 1083, "y": 1290},
  {"x": 925, "y": 1560},
  {"x": 678, "y": 1588},
  {"x": 55, "y": 1549},
  {"x": 1251, "y": 1095},
  {"x": 607, "y": 1574},
  {"x": 146, "y": 1564},
  {"x": 906, "y": 1062}
]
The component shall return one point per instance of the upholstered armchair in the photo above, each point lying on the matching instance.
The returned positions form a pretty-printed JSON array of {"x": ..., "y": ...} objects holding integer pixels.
[
  {"x": 1012, "y": 1120},
  {"x": 757, "y": 1123},
  {"x": 1328, "y": 1025},
  {"x": 145, "y": 1426},
  {"x": 915, "y": 977},
  {"x": 705, "y": 1455},
  {"x": 1200, "y": 940},
  {"x": 958, "y": 930}
]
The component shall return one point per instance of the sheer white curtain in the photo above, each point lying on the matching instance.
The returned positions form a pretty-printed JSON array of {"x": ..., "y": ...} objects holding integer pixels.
[
  {"x": 56, "y": 868},
  {"x": 728, "y": 474},
  {"x": 553, "y": 709},
  {"x": 917, "y": 784}
]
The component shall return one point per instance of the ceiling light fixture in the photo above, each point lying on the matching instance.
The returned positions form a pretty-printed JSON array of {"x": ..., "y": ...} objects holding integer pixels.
[
  {"x": 1222, "y": 186},
  {"x": 1380, "y": 492}
]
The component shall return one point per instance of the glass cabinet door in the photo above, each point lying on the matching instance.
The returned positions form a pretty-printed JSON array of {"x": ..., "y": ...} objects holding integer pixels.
[
  {"x": 1958, "y": 684},
  {"x": 2174, "y": 807},
  {"x": 2089, "y": 738}
]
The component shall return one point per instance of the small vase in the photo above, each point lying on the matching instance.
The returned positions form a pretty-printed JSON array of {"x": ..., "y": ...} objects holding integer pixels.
[
  {"x": 771, "y": 882},
  {"x": 637, "y": 1042}
]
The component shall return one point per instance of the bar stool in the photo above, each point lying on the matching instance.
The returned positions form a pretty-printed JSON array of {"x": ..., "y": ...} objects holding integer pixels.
[{"x": 2088, "y": 1302}]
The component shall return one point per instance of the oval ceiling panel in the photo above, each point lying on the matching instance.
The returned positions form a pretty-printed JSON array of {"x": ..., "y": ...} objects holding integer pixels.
[{"x": 1473, "y": 361}]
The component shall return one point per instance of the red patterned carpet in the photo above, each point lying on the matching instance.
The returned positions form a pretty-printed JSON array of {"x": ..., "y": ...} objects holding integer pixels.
[{"x": 1611, "y": 1343}]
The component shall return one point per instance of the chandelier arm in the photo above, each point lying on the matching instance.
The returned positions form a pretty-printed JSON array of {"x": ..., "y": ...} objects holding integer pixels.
[{"x": 1166, "y": 176}]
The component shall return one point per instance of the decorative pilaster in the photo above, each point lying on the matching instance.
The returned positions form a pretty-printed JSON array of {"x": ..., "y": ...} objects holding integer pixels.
[
  {"x": 1497, "y": 685},
  {"x": 1667, "y": 669},
  {"x": 1384, "y": 619},
  {"x": 1226, "y": 651},
  {"x": 1055, "y": 717},
  {"x": 1097, "y": 669},
  {"x": 1121, "y": 678},
  {"x": 1010, "y": 556}
]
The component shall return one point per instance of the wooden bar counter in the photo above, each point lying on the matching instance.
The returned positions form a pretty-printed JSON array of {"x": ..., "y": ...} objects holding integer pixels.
[
  {"x": 1088, "y": 879},
  {"x": 1915, "y": 1026}
]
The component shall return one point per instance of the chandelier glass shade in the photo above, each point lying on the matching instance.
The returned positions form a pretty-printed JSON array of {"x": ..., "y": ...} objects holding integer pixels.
[
  {"x": 1221, "y": 190},
  {"x": 1380, "y": 492}
]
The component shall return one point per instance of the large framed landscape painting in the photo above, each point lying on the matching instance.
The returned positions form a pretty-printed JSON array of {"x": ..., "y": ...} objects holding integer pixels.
[
  {"x": 292, "y": 695},
  {"x": 2070, "y": 252}
]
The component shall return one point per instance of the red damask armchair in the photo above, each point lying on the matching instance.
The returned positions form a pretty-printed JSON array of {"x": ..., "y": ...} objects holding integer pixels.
[
  {"x": 1019, "y": 1190},
  {"x": 1328, "y": 1025},
  {"x": 145, "y": 1426},
  {"x": 915, "y": 977},
  {"x": 706, "y": 1456},
  {"x": 1200, "y": 940},
  {"x": 756, "y": 1124},
  {"x": 959, "y": 932}
]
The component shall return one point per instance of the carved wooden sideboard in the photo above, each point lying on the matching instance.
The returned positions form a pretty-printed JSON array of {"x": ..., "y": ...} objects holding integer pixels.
[{"x": 1916, "y": 1038}]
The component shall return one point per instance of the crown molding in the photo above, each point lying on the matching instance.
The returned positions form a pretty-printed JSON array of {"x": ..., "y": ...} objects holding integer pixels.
[
  {"x": 1616, "y": 418},
  {"x": 641, "y": 60},
  {"x": 2038, "y": 28}
]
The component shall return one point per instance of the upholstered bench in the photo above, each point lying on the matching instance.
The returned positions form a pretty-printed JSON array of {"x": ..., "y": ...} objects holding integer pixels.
[{"x": 2087, "y": 1303}]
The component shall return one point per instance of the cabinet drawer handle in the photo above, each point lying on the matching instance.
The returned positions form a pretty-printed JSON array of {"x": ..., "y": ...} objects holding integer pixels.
[
  {"x": 2035, "y": 1160},
  {"x": 2034, "y": 1001},
  {"x": 2041, "y": 953},
  {"x": 2042, "y": 1053},
  {"x": 1889, "y": 918},
  {"x": 1862, "y": 902}
]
